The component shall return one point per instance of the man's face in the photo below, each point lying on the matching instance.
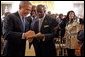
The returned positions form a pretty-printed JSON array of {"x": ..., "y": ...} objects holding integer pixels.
[
  {"x": 40, "y": 12},
  {"x": 61, "y": 16},
  {"x": 33, "y": 12},
  {"x": 26, "y": 9}
]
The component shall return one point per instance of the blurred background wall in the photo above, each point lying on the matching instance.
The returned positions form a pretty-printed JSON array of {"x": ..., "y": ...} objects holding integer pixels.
[{"x": 53, "y": 6}]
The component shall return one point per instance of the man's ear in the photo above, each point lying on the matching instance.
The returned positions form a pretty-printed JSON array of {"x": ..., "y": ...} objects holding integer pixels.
[
  {"x": 19, "y": 7},
  {"x": 44, "y": 11}
]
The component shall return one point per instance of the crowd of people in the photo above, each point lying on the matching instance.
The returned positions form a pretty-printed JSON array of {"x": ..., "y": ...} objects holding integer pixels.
[{"x": 40, "y": 29}]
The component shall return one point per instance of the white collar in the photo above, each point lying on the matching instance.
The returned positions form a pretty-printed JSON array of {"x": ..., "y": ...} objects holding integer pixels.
[
  {"x": 20, "y": 16},
  {"x": 42, "y": 17}
]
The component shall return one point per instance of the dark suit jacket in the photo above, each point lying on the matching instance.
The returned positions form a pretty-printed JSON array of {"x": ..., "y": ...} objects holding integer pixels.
[
  {"x": 13, "y": 30},
  {"x": 47, "y": 47},
  {"x": 29, "y": 19},
  {"x": 80, "y": 37},
  {"x": 62, "y": 27}
]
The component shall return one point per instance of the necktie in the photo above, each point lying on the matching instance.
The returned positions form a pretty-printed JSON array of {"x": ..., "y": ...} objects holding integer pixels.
[
  {"x": 23, "y": 22},
  {"x": 39, "y": 24},
  {"x": 32, "y": 23}
]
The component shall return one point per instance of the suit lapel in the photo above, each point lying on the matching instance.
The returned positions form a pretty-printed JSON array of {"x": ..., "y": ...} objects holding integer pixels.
[
  {"x": 44, "y": 23},
  {"x": 36, "y": 26},
  {"x": 27, "y": 25},
  {"x": 19, "y": 20}
]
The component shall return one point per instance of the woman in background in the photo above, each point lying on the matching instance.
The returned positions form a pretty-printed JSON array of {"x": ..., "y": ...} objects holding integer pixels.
[{"x": 72, "y": 27}]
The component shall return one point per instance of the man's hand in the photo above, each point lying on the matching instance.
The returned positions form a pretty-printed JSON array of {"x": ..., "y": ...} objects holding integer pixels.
[
  {"x": 29, "y": 34},
  {"x": 39, "y": 35}
]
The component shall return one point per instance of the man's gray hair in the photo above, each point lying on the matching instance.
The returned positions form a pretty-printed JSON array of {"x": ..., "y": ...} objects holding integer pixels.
[{"x": 22, "y": 3}]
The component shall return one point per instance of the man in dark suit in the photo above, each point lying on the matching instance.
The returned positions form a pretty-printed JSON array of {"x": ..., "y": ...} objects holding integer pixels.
[
  {"x": 31, "y": 18},
  {"x": 33, "y": 15},
  {"x": 80, "y": 37},
  {"x": 44, "y": 28},
  {"x": 16, "y": 29}
]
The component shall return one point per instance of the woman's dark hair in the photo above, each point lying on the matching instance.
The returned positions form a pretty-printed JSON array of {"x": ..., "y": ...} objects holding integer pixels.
[{"x": 67, "y": 17}]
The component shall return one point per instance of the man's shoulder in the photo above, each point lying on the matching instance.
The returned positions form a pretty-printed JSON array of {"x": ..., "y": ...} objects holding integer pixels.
[
  {"x": 12, "y": 14},
  {"x": 29, "y": 18},
  {"x": 49, "y": 18}
]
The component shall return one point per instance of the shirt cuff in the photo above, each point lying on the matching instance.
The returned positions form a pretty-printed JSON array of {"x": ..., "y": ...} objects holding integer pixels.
[{"x": 23, "y": 36}]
